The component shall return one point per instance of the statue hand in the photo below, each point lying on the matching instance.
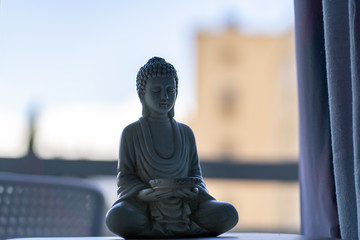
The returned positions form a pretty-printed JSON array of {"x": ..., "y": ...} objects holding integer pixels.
[
  {"x": 188, "y": 193},
  {"x": 151, "y": 195}
]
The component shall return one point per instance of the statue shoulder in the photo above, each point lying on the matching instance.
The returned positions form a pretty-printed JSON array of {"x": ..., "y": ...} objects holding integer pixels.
[
  {"x": 187, "y": 130},
  {"x": 130, "y": 129}
]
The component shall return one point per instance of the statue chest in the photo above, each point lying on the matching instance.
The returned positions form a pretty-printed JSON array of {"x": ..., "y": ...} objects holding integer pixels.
[{"x": 163, "y": 139}]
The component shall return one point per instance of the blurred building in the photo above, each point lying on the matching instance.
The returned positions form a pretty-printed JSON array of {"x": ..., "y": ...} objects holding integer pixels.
[
  {"x": 247, "y": 97},
  {"x": 247, "y": 111}
]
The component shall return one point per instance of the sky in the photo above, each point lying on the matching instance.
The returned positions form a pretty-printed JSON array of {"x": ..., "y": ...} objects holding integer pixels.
[{"x": 74, "y": 62}]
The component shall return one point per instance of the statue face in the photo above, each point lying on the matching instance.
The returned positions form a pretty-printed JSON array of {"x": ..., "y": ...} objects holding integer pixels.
[{"x": 160, "y": 95}]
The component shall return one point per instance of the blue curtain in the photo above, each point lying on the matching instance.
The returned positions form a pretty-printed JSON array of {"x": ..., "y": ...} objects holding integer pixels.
[{"x": 328, "y": 58}]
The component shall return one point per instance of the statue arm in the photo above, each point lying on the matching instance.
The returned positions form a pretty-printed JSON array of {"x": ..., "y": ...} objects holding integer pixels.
[
  {"x": 129, "y": 184},
  {"x": 195, "y": 170}
]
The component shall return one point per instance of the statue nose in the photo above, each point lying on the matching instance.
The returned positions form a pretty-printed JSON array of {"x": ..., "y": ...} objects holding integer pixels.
[{"x": 164, "y": 96}]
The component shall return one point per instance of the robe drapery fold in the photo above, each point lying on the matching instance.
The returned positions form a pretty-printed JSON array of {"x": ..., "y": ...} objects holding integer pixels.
[{"x": 139, "y": 163}]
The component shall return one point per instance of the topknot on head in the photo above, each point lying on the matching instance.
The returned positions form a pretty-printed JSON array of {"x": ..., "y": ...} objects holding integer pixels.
[
  {"x": 156, "y": 59},
  {"x": 155, "y": 67}
]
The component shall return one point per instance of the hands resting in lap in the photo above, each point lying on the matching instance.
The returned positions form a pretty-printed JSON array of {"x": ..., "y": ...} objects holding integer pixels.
[{"x": 151, "y": 194}]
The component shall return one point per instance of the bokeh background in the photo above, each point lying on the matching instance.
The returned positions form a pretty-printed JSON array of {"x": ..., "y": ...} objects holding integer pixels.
[{"x": 67, "y": 82}]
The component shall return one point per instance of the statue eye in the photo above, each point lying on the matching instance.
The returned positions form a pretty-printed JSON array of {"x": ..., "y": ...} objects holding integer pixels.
[
  {"x": 171, "y": 89},
  {"x": 155, "y": 90}
]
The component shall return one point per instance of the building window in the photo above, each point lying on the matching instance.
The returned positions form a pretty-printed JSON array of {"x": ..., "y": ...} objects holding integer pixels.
[
  {"x": 228, "y": 101},
  {"x": 228, "y": 55}
]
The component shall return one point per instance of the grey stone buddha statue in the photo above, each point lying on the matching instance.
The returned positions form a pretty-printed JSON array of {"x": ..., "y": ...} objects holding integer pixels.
[{"x": 161, "y": 193}]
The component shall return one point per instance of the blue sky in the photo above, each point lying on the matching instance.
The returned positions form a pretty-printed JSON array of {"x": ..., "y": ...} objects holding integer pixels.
[
  {"x": 56, "y": 54},
  {"x": 59, "y": 51}
]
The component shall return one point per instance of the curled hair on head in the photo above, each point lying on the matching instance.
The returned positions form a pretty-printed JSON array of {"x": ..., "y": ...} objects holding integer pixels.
[{"x": 155, "y": 67}]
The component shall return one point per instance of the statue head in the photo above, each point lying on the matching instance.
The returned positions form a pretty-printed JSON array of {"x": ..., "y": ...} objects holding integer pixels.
[{"x": 155, "y": 68}]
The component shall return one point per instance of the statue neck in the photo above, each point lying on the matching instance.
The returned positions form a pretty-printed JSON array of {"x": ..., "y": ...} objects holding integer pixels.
[{"x": 159, "y": 119}]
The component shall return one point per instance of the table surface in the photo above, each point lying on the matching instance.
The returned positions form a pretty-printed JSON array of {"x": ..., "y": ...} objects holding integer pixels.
[{"x": 226, "y": 236}]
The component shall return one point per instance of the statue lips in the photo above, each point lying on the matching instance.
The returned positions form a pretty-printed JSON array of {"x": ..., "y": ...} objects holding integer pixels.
[{"x": 164, "y": 105}]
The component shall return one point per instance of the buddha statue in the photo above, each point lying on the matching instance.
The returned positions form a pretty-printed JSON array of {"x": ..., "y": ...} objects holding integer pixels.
[{"x": 161, "y": 193}]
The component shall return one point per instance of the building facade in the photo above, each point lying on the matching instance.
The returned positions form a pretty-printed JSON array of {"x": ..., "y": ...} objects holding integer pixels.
[{"x": 246, "y": 96}]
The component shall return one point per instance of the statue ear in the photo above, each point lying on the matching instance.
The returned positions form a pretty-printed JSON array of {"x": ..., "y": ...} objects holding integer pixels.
[
  {"x": 171, "y": 113},
  {"x": 145, "y": 110}
]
